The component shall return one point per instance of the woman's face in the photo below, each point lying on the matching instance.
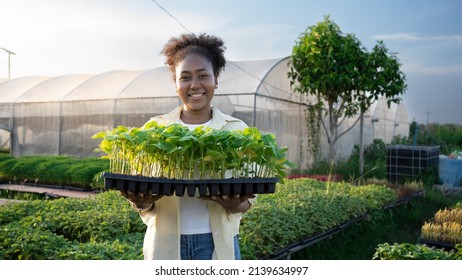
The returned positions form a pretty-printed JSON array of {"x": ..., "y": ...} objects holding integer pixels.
[{"x": 195, "y": 83}]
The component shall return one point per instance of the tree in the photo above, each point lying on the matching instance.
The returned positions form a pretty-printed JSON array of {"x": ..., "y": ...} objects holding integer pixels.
[{"x": 342, "y": 76}]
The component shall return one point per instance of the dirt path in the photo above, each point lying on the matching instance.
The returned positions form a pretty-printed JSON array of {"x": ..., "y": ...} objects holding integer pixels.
[{"x": 48, "y": 191}]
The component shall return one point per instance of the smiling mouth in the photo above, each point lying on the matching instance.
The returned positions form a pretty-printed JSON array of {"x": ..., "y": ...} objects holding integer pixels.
[{"x": 196, "y": 95}]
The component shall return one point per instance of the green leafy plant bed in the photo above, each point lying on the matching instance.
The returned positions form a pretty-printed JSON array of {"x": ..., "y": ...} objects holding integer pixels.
[
  {"x": 166, "y": 186},
  {"x": 406, "y": 251},
  {"x": 53, "y": 171}
]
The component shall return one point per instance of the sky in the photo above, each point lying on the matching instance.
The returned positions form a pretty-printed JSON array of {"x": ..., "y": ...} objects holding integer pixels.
[{"x": 60, "y": 37}]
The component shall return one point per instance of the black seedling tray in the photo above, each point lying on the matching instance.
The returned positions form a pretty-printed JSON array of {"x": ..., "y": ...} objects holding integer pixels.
[
  {"x": 447, "y": 246},
  {"x": 163, "y": 186}
]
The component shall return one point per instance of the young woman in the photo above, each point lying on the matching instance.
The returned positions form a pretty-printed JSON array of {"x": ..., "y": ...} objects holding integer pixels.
[{"x": 192, "y": 227}]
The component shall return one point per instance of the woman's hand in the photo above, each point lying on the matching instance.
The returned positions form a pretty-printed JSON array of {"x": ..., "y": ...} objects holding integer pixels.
[
  {"x": 142, "y": 201},
  {"x": 234, "y": 203}
]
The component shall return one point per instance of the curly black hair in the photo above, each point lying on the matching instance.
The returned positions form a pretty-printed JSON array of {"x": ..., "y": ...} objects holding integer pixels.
[{"x": 208, "y": 46}]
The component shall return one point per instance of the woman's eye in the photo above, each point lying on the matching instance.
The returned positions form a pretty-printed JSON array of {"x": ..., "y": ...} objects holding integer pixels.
[{"x": 184, "y": 78}]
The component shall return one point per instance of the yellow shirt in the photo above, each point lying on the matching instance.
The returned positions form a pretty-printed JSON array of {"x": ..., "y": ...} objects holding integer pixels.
[{"x": 162, "y": 238}]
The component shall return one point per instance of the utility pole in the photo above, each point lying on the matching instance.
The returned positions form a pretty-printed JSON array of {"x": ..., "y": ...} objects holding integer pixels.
[
  {"x": 9, "y": 61},
  {"x": 428, "y": 117}
]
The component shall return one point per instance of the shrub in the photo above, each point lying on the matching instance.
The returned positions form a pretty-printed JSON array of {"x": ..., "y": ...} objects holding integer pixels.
[
  {"x": 54, "y": 170},
  {"x": 101, "y": 227},
  {"x": 18, "y": 242}
]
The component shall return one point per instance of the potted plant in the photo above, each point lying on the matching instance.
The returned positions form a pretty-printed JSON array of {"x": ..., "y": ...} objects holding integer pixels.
[{"x": 168, "y": 159}]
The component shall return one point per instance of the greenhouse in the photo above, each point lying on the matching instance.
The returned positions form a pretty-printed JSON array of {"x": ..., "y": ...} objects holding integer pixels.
[
  {"x": 58, "y": 115},
  {"x": 380, "y": 122}
]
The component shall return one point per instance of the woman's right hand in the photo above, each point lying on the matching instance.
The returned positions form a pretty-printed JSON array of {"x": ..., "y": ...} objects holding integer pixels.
[{"x": 142, "y": 201}]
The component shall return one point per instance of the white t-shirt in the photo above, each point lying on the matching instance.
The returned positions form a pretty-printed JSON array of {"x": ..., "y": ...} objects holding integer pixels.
[{"x": 194, "y": 211}]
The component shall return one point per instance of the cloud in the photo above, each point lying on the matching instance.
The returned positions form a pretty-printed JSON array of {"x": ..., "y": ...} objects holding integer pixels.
[
  {"x": 55, "y": 37},
  {"x": 52, "y": 37},
  {"x": 438, "y": 70},
  {"x": 417, "y": 37},
  {"x": 426, "y": 54},
  {"x": 259, "y": 41}
]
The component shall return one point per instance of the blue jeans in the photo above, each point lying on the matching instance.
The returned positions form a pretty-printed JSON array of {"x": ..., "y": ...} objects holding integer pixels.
[{"x": 200, "y": 247}]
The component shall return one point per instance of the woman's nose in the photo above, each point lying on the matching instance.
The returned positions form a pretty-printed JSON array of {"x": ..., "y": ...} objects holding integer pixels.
[{"x": 194, "y": 83}]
